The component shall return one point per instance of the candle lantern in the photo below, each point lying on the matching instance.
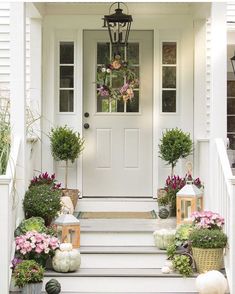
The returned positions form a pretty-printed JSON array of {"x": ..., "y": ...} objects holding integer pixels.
[
  {"x": 68, "y": 228},
  {"x": 188, "y": 200}
]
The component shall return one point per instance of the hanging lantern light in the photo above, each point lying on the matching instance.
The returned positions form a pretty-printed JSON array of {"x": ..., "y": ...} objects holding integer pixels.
[
  {"x": 118, "y": 25},
  {"x": 233, "y": 63}
]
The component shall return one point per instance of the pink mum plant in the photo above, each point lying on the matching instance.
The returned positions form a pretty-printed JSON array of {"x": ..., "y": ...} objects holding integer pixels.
[
  {"x": 37, "y": 246},
  {"x": 207, "y": 220}
]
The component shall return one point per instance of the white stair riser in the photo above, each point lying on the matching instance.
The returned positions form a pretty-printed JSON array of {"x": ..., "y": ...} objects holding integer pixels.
[
  {"x": 97, "y": 205},
  {"x": 122, "y": 260},
  {"x": 125, "y": 284},
  {"x": 116, "y": 239}
]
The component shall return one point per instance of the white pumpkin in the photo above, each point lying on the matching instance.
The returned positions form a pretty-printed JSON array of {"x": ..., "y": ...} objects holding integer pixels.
[
  {"x": 66, "y": 259},
  {"x": 212, "y": 282},
  {"x": 163, "y": 237},
  {"x": 66, "y": 246}
]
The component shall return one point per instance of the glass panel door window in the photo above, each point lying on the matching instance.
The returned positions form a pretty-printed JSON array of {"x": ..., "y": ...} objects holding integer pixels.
[
  {"x": 66, "y": 77},
  {"x": 115, "y": 80},
  {"x": 169, "y": 77}
]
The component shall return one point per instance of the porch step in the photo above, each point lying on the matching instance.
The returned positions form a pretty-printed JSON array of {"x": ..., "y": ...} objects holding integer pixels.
[
  {"x": 116, "y": 204},
  {"x": 122, "y": 257},
  {"x": 122, "y": 280},
  {"x": 121, "y": 232}
]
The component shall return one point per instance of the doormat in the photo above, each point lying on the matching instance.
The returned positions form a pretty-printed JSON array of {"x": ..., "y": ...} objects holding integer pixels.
[{"x": 116, "y": 214}]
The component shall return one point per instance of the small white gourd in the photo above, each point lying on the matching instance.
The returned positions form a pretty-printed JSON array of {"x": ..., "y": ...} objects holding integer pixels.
[
  {"x": 66, "y": 259},
  {"x": 212, "y": 282},
  {"x": 165, "y": 269},
  {"x": 169, "y": 264},
  {"x": 66, "y": 205}
]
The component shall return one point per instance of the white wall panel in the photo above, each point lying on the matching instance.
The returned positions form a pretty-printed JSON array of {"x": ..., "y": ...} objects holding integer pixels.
[
  {"x": 131, "y": 148},
  {"x": 103, "y": 148}
]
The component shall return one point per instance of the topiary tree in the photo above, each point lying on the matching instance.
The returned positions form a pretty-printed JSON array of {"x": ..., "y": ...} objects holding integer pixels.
[
  {"x": 65, "y": 145},
  {"x": 175, "y": 144}
]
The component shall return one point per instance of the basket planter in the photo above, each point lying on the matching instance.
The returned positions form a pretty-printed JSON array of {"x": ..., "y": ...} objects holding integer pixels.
[
  {"x": 73, "y": 194},
  {"x": 34, "y": 288},
  {"x": 207, "y": 259}
]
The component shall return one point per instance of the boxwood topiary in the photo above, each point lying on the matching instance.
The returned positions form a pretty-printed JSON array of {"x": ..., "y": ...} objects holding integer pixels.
[
  {"x": 175, "y": 144},
  {"x": 42, "y": 201},
  {"x": 207, "y": 239},
  {"x": 65, "y": 145}
]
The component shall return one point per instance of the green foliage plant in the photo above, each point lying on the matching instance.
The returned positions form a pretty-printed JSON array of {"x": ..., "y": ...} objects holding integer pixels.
[
  {"x": 27, "y": 272},
  {"x": 182, "y": 264},
  {"x": 207, "y": 238},
  {"x": 31, "y": 224},
  {"x": 171, "y": 250},
  {"x": 175, "y": 144},
  {"x": 66, "y": 145},
  {"x": 42, "y": 201},
  {"x": 182, "y": 234},
  {"x": 5, "y": 136}
]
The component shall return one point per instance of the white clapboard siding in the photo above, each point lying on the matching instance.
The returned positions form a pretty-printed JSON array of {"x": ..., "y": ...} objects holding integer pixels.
[
  {"x": 230, "y": 12},
  {"x": 5, "y": 50}
]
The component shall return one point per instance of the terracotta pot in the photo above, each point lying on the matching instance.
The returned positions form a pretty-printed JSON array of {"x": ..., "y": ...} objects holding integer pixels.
[{"x": 73, "y": 194}]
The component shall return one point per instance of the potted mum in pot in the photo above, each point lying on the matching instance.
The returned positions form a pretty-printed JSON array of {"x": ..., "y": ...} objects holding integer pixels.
[
  {"x": 28, "y": 276},
  {"x": 207, "y": 240},
  {"x": 66, "y": 145}
]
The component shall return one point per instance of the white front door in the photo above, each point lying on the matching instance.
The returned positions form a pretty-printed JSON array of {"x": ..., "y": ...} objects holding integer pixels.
[{"x": 118, "y": 155}]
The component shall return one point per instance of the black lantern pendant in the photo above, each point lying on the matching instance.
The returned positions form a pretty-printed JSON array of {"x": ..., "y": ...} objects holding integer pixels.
[
  {"x": 119, "y": 25},
  {"x": 233, "y": 63}
]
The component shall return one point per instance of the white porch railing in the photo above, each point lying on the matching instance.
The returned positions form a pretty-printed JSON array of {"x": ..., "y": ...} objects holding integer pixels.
[
  {"x": 224, "y": 203},
  {"x": 9, "y": 214}
]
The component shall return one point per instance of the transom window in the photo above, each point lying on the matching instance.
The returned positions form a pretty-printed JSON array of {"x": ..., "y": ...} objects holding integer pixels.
[
  {"x": 66, "y": 77},
  {"x": 105, "y": 52}
]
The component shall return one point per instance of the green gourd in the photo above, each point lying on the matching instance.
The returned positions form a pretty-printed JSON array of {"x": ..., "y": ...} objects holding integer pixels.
[
  {"x": 53, "y": 287},
  {"x": 163, "y": 213}
]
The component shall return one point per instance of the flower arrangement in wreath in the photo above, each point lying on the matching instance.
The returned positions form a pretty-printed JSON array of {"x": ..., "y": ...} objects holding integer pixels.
[{"x": 116, "y": 69}]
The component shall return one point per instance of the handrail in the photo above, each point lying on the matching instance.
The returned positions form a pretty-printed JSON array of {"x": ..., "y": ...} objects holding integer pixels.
[{"x": 224, "y": 200}]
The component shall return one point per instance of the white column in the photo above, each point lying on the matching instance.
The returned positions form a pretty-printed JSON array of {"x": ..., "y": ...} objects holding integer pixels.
[
  {"x": 17, "y": 90},
  {"x": 218, "y": 99},
  {"x": 35, "y": 95}
]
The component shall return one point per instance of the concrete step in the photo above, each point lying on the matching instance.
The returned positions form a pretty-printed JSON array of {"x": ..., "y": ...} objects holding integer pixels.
[
  {"x": 116, "y": 204},
  {"x": 122, "y": 257},
  {"x": 122, "y": 280}
]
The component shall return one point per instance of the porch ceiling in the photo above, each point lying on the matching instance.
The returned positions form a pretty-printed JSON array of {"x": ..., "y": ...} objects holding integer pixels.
[{"x": 99, "y": 8}]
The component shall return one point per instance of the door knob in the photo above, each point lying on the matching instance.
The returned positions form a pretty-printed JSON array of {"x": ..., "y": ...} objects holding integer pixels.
[
  {"x": 86, "y": 126},
  {"x": 86, "y": 114}
]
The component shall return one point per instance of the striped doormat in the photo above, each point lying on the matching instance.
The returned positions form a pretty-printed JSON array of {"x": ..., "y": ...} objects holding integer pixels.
[{"x": 116, "y": 214}]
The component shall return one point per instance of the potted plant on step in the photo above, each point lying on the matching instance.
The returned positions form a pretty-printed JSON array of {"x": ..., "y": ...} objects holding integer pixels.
[
  {"x": 175, "y": 144},
  {"x": 28, "y": 275},
  {"x": 207, "y": 240},
  {"x": 66, "y": 145}
]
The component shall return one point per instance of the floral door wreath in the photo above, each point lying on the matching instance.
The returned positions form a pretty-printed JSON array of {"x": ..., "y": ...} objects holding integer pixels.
[{"x": 120, "y": 69}]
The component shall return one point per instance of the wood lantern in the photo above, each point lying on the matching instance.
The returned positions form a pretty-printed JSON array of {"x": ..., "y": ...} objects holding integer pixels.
[
  {"x": 68, "y": 228},
  {"x": 188, "y": 200}
]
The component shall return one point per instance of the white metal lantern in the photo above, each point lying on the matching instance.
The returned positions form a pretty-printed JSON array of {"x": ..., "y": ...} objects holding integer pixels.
[
  {"x": 188, "y": 200},
  {"x": 68, "y": 228}
]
